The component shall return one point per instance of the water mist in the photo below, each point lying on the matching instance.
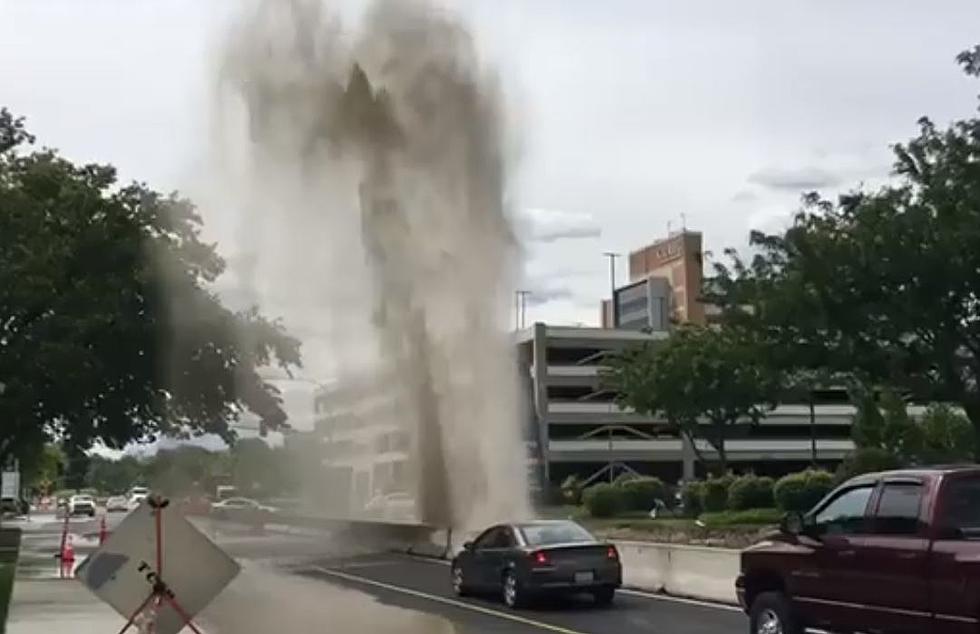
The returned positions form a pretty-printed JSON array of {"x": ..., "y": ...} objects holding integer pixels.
[{"x": 368, "y": 171}]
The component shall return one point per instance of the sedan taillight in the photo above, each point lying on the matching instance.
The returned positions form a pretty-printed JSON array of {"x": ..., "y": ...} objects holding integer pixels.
[
  {"x": 540, "y": 558},
  {"x": 612, "y": 553}
]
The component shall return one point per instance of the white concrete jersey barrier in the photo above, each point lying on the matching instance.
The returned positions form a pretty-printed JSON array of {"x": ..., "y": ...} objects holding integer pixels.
[{"x": 697, "y": 572}]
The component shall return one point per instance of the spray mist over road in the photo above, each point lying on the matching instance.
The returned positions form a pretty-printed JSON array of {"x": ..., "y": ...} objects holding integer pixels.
[{"x": 367, "y": 167}]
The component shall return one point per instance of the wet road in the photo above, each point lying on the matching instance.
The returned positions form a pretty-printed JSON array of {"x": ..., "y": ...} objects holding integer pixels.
[
  {"x": 303, "y": 582},
  {"x": 423, "y": 585}
]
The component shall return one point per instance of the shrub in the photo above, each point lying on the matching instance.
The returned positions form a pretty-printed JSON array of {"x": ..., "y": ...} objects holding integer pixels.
[
  {"x": 867, "y": 460},
  {"x": 641, "y": 494},
  {"x": 603, "y": 500},
  {"x": 691, "y": 494},
  {"x": 714, "y": 495},
  {"x": 801, "y": 491},
  {"x": 750, "y": 492}
]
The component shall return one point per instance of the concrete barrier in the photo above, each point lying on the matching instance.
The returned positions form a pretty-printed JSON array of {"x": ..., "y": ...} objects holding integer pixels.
[{"x": 697, "y": 572}]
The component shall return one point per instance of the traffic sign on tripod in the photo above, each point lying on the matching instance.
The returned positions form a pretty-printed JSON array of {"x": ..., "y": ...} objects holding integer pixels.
[{"x": 156, "y": 565}]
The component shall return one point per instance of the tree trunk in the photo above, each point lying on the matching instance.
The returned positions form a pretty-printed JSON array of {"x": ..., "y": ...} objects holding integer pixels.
[
  {"x": 813, "y": 434},
  {"x": 693, "y": 439},
  {"x": 722, "y": 456},
  {"x": 719, "y": 428}
]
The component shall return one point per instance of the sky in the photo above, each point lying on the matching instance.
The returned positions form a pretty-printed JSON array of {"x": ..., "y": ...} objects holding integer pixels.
[{"x": 633, "y": 116}]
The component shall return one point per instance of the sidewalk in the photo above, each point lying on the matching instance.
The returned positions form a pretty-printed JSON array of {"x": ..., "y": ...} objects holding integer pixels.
[
  {"x": 44, "y": 604},
  {"x": 52, "y": 606}
]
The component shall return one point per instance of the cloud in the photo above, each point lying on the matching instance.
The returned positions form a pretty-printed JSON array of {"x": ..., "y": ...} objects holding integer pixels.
[
  {"x": 541, "y": 296},
  {"x": 549, "y": 225},
  {"x": 804, "y": 178},
  {"x": 745, "y": 196}
]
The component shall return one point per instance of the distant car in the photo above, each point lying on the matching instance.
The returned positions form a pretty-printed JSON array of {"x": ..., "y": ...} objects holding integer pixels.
[
  {"x": 117, "y": 503},
  {"x": 393, "y": 507},
  {"x": 526, "y": 560},
  {"x": 14, "y": 506},
  {"x": 81, "y": 505},
  {"x": 136, "y": 499},
  {"x": 240, "y": 507}
]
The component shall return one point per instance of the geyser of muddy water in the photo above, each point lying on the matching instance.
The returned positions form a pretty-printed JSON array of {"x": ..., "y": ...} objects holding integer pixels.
[{"x": 367, "y": 167}]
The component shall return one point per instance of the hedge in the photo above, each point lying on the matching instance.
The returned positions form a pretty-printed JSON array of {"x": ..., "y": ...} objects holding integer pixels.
[
  {"x": 642, "y": 493},
  {"x": 801, "y": 491},
  {"x": 750, "y": 492},
  {"x": 604, "y": 500},
  {"x": 714, "y": 494},
  {"x": 691, "y": 495}
]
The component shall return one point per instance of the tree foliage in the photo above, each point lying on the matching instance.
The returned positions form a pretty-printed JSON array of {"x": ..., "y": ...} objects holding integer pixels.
[
  {"x": 109, "y": 328},
  {"x": 702, "y": 380},
  {"x": 883, "y": 284}
]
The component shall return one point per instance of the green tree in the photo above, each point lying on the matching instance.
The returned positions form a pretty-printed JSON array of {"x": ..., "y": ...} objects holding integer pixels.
[
  {"x": 258, "y": 469},
  {"x": 42, "y": 468},
  {"x": 186, "y": 469},
  {"x": 109, "y": 327},
  {"x": 880, "y": 282},
  {"x": 114, "y": 476},
  {"x": 703, "y": 381},
  {"x": 882, "y": 422},
  {"x": 947, "y": 436}
]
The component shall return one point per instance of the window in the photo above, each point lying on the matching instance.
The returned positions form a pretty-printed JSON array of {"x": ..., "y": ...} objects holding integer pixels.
[
  {"x": 556, "y": 533},
  {"x": 898, "y": 509},
  {"x": 960, "y": 508},
  {"x": 845, "y": 513},
  {"x": 496, "y": 537},
  {"x": 487, "y": 539}
]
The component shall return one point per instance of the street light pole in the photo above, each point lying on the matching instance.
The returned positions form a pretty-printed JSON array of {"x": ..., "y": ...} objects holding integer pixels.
[
  {"x": 612, "y": 286},
  {"x": 520, "y": 307}
]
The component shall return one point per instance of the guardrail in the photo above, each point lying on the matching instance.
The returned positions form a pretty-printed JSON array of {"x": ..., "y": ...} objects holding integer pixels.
[{"x": 413, "y": 538}]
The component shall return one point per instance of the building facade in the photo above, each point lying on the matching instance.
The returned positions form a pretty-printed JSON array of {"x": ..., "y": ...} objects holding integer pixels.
[
  {"x": 581, "y": 430},
  {"x": 664, "y": 287},
  {"x": 366, "y": 451}
]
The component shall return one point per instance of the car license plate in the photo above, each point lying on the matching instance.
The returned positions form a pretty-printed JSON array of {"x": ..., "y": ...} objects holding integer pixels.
[{"x": 584, "y": 577}]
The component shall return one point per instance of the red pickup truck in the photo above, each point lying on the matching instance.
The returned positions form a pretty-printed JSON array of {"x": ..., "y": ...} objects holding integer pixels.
[{"x": 893, "y": 552}]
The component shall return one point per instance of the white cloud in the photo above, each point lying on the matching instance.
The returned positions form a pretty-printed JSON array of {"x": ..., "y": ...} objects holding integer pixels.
[
  {"x": 796, "y": 179},
  {"x": 549, "y": 225}
]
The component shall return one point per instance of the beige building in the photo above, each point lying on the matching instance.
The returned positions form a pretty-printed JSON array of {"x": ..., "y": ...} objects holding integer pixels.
[{"x": 664, "y": 288}]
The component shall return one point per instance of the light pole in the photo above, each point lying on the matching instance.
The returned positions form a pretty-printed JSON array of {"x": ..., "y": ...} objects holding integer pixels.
[
  {"x": 612, "y": 286},
  {"x": 521, "y": 306}
]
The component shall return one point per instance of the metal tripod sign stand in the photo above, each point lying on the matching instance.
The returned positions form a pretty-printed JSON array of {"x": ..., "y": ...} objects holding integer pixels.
[{"x": 157, "y": 570}]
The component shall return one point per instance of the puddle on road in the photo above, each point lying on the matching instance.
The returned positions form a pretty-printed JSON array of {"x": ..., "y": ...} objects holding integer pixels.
[{"x": 263, "y": 599}]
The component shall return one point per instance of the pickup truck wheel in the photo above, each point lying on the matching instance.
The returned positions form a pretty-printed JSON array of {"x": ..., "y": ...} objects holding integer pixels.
[{"x": 772, "y": 613}]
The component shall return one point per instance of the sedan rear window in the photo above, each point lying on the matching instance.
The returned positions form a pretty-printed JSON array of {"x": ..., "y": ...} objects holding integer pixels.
[{"x": 557, "y": 533}]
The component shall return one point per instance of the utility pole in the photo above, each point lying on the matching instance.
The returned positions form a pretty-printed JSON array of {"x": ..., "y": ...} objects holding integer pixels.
[
  {"x": 521, "y": 298},
  {"x": 612, "y": 286}
]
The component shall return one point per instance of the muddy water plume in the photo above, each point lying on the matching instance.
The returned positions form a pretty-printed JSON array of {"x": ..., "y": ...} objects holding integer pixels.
[{"x": 367, "y": 167}]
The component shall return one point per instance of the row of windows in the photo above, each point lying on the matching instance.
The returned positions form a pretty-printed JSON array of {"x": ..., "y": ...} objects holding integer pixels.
[{"x": 897, "y": 510}]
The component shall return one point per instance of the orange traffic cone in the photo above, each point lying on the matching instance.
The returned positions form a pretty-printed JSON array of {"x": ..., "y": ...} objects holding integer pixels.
[{"x": 67, "y": 558}]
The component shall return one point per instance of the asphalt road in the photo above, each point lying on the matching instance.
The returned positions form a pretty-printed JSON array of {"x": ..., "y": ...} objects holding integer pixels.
[
  {"x": 423, "y": 585},
  {"x": 409, "y": 585}
]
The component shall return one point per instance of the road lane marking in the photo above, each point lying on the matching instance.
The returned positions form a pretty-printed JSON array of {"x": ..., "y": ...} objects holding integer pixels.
[{"x": 446, "y": 601}]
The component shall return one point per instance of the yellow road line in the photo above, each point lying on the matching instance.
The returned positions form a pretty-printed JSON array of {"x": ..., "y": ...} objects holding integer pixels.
[{"x": 446, "y": 601}]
